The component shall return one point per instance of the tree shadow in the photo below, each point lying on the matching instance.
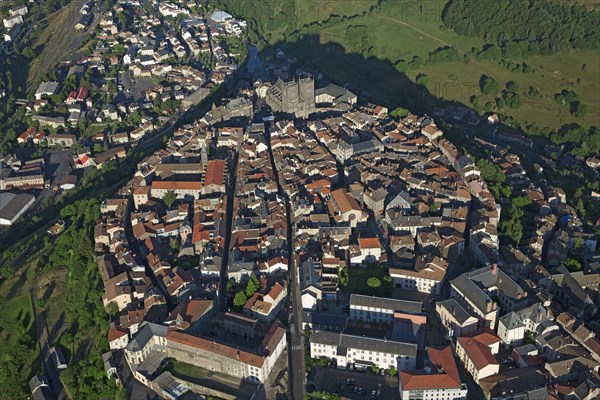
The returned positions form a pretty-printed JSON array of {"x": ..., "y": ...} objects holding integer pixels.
[
  {"x": 49, "y": 290},
  {"x": 57, "y": 329},
  {"x": 17, "y": 286}
]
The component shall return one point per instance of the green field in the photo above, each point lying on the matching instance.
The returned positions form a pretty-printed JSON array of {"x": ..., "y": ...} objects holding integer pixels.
[
  {"x": 20, "y": 355},
  {"x": 17, "y": 312},
  {"x": 401, "y": 32},
  {"x": 552, "y": 76},
  {"x": 370, "y": 47}
]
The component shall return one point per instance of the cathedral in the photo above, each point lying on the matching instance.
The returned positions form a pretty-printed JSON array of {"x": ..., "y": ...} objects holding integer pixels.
[{"x": 296, "y": 96}]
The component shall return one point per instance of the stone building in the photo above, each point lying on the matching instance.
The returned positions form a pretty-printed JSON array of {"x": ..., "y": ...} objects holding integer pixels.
[{"x": 297, "y": 96}]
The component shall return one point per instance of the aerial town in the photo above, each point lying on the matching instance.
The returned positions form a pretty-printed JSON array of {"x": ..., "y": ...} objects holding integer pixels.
[{"x": 292, "y": 240}]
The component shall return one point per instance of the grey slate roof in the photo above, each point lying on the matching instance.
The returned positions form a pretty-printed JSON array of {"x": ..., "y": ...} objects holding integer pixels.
[
  {"x": 535, "y": 312},
  {"x": 485, "y": 277},
  {"x": 11, "y": 204},
  {"x": 473, "y": 284},
  {"x": 574, "y": 286},
  {"x": 471, "y": 291},
  {"x": 366, "y": 146},
  {"x": 322, "y": 319},
  {"x": 334, "y": 91},
  {"x": 459, "y": 313},
  {"x": 325, "y": 337},
  {"x": 145, "y": 334},
  {"x": 511, "y": 320},
  {"x": 364, "y": 343},
  {"x": 385, "y": 303}
]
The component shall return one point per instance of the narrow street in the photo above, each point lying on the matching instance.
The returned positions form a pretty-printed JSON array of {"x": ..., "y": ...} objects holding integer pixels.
[
  {"x": 295, "y": 336},
  {"x": 232, "y": 183}
]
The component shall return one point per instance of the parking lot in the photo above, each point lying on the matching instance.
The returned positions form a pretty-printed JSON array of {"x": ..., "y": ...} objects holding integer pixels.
[
  {"x": 356, "y": 385},
  {"x": 131, "y": 87}
]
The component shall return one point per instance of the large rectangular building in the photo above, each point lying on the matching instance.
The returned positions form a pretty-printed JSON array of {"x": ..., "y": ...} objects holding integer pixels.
[
  {"x": 371, "y": 309},
  {"x": 153, "y": 343},
  {"x": 12, "y": 206},
  {"x": 182, "y": 189},
  {"x": 456, "y": 320},
  {"x": 363, "y": 352}
]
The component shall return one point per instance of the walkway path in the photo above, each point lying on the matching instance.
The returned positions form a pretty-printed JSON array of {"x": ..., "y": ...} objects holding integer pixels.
[{"x": 425, "y": 33}]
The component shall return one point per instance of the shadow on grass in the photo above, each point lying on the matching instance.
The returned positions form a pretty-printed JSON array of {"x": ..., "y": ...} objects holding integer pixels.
[{"x": 371, "y": 78}]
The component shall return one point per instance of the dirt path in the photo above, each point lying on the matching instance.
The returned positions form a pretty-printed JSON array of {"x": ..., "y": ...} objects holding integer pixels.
[
  {"x": 426, "y": 34},
  {"x": 56, "y": 38}
]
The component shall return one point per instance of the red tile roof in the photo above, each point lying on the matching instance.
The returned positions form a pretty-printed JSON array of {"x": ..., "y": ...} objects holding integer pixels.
[
  {"x": 275, "y": 291},
  {"x": 82, "y": 94},
  {"x": 174, "y": 185},
  {"x": 197, "y": 308},
  {"x": 214, "y": 172},
  {"x": 478, "y": 351},
  {"x": 369, "y": 243},
  {"x": 218, "y": 348},
  {"x": 444, "y": 376},
  {"x": 344, "y": 201},
  {"x": 115, "y": 332}
]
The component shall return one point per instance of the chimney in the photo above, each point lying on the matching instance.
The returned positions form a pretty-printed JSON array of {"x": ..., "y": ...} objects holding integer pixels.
[
  {"x": 238, "y": 354},
  {"x": 494, "y": 269}
]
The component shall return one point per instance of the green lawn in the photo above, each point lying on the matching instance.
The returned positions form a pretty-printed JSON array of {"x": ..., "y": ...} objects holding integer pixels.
[
  {"x": 185, "y": 370},
  {"x": 459, "y": 81},
  {"x": 18, "y": 311},
  {"x": 400, "y": 31},
  {"x": 358, "y": 277},
  {"x": 370, "y": 46}
]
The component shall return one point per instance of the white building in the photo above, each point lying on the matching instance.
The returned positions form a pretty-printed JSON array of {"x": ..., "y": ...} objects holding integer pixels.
[
  {"x": 477, "y": 354},
  {"x": 118, "y": 337},
  {"x": 438, "y": 381},
  {"x": 181, "y": 189},
  {"x": 533, "y": 315},
  {"x": 426, "y": 279},
  {"x": 456, "y": 320},
  {"x": 311, "y": 296},
  {"x": 22, "y": 11},
  {"x": 371, "y": 309},
  {"x": 511, "y": 329},
  {"x": 370, "y": 251},
  {"x": 12, "y": 21},
  {"x": 363, "y": 352},
  {"x": 153, "y": 343},
  {"x": 46, "y": 89},
  {"x": 266, "y": 307}
]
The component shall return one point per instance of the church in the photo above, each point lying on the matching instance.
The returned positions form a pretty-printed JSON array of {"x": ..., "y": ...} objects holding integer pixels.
[{"x": 296, "y": 96}]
